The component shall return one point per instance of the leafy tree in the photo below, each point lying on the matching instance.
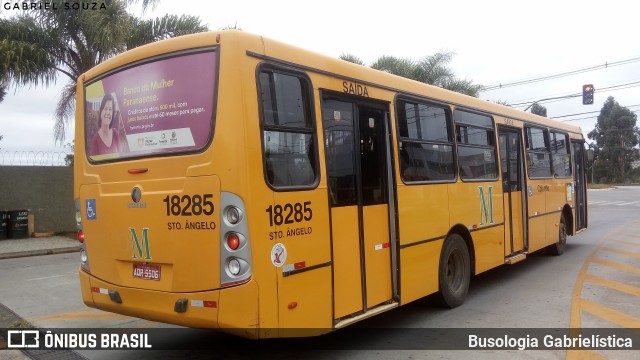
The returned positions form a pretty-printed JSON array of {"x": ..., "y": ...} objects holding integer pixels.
[
  {"x": 431, "y": 69},
  {"x": 70, "y": 147},
  {"x": 539, "y": 110},
  {"x": 352, "y": 58},
  {"x": 503, "y": 102},
  {"x": 38, "y": 46},
  {"x": 3, "y": 92},
  {"x": 231, "y": 27},
  {"x": 616, "y": 136}
]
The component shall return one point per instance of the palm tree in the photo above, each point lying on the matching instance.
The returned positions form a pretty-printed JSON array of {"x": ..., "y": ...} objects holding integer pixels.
[
  {"x": 430, "y": 70},
  {"x": 39, "y": 45}
]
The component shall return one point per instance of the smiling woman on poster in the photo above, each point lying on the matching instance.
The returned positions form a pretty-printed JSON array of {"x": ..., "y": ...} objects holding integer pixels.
[{"x": 106, "y": 140}]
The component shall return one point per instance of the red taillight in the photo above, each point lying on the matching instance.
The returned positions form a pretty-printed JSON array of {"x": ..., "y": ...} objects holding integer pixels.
[
  {"x": 80, "y": 236},
  {"x": 233, "y": 241}
]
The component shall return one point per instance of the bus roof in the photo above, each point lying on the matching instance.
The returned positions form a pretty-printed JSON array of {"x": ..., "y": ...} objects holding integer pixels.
[{"x": 290, "y": 55}]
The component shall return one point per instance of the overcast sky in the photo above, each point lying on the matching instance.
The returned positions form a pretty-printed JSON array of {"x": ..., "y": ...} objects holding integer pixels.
[{"x": 495, "y": 42}]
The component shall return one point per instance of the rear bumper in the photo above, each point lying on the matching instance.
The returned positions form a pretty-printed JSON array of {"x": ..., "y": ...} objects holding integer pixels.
[{"x": 233, "y": 309}]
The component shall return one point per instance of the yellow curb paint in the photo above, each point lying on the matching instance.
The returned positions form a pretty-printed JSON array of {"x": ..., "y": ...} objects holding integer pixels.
[
  {"x": 611, "y": 315},
  {"x": 615, "y": 265},
  {"x": 616, "y": 285}
]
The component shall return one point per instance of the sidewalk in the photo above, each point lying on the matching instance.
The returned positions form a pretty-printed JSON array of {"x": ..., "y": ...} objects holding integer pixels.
[{"x": 15, "y": 248}]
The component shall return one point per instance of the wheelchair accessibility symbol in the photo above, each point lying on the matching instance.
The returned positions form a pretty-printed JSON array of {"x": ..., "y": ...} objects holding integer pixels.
[{"x": 91, "y": 209}]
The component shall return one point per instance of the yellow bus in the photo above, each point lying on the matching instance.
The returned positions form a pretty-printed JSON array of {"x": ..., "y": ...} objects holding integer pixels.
[{"x": 225, "y": 180}]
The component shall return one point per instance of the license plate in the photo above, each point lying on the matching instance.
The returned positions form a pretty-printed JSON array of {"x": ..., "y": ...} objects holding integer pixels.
[{"x": 146, "y": 271}]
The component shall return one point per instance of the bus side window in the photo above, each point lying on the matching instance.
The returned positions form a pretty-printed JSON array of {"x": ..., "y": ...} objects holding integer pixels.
[
  {"x": 538, "y": 153},
  {"x": 425, "y": 142},
  {"x": 288, "y": 142},
  {"x": 560, "y": 155},
  {"x": 476, "y": 146}
]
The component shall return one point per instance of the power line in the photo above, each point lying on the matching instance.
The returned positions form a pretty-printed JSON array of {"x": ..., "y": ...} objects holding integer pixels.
[
  {"x": 590, "y": 117},
  {"x": 563, "y": 97},
  {"x": 564, "y": 74},
  {"x": 589, "y": 112}
]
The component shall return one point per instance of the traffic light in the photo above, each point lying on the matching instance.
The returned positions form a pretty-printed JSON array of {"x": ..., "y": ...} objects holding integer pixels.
[{"x": 587, "y": 94}]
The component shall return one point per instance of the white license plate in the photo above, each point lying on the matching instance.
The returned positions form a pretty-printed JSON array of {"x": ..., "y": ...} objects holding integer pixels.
[{"x": 146, "y": 271}]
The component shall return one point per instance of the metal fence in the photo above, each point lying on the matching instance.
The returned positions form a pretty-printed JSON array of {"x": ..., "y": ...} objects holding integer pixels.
[{"x": 33, "y": 158}]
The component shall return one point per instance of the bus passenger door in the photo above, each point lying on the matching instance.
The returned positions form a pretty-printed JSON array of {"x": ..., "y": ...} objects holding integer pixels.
[
  {"x": 580, "y": 185},
  {"x": 511, "y": 155},
  {"x": 357, "y": 161}
]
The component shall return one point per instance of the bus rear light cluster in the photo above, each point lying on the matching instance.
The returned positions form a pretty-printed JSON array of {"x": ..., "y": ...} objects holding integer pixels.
[
  {"x": 233, "y": 240},
  {"x": 232, "y": 215},
  {"x": 237, "y": 266},
  {"x": 235, "y": 252},
  {"x": 84, "y": 257}
]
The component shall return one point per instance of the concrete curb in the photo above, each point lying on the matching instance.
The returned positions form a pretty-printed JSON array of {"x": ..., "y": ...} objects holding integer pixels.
[{"x": 20, "y": 254}]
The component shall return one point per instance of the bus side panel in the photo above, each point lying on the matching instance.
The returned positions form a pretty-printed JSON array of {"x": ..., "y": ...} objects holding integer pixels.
[
  {"x": 305, "y": 235},
  {"x": 239, "y": 310},
  {"x": 419, "y": 270},
  {"x": 537, "y": 207},
  {"x": 306, "y": 303},
  {"x": 479, "y": 207},
  {"x": 423, "y": 214},
  {"x": 556, "y": 199},
  {"x": 246, "y": 172}
]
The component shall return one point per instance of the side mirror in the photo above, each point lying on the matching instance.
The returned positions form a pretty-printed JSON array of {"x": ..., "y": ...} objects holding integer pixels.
[{"x": 589, "y": 155}]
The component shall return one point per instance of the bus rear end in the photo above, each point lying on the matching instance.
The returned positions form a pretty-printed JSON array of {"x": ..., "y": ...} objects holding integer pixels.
[{"x": 161, "y": 240}]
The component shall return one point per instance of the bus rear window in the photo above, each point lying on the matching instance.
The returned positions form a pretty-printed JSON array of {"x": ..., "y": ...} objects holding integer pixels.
[{"x": 161, "y": 106}]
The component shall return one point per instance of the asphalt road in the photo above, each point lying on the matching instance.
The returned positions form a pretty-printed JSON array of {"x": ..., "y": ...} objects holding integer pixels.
[{"x": 594, "y": 284}]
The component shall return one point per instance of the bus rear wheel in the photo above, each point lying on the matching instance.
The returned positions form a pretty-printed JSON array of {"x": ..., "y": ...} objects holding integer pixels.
[
  {"x": 558, "y": 248},
  {"x": 454, "y": 273}
]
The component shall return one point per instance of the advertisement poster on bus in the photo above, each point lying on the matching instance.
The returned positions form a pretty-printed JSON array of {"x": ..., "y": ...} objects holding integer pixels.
[{"x": 156, "y": 107}]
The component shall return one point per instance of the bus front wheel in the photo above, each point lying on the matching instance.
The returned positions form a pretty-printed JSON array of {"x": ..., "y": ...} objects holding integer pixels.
[
  {"x": 454, "y": 273},
  {"x": 558, "y": 248}
]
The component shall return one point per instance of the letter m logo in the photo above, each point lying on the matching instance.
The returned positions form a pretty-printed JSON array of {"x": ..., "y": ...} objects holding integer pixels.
[
  {"x": 486, "y": 210},
  {"x": 140, "y": 248}
]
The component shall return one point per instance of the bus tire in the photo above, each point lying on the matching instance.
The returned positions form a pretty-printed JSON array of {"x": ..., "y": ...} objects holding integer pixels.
[
  {"x": 454, "y": 272},
  {"x": 558, "y": 248}
]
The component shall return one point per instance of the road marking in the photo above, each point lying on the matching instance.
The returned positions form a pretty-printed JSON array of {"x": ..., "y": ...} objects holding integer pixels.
[
  {"x": 584, "y": 354},
  {"x": 621, "y": 252},
  {"x": 609, "y": 314},
  {"x": 616, "y": 285},
  {"x": 576, "y": 297},
  {"x": 627, "y": 203},
  {"x": 53, "y": 276},
  {"x": 616, "y": 265},
  {"x": 622, "y": 242},
  {"x": 627, "y": 235},
  {"x": 611, "y": 202},
  {"x": 580, "y": 304}
]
